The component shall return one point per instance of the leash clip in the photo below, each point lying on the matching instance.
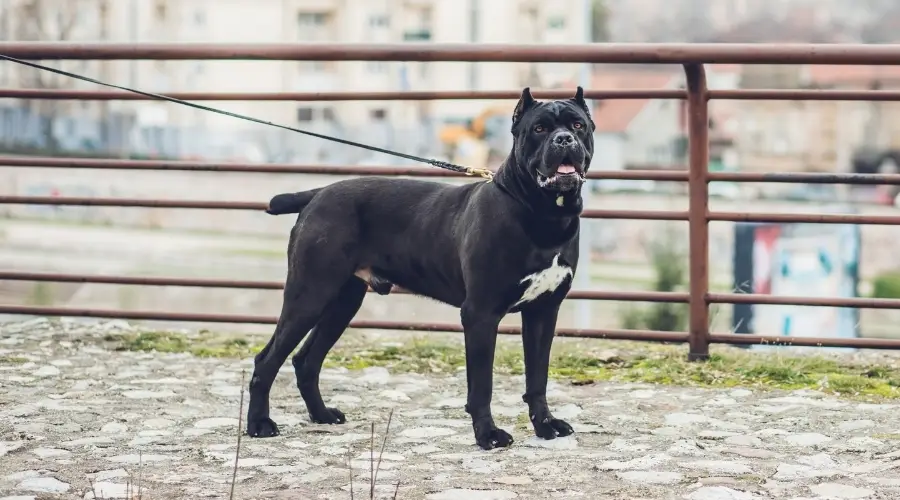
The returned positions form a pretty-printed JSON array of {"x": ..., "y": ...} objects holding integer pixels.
[{"x": 481, "y": 172}]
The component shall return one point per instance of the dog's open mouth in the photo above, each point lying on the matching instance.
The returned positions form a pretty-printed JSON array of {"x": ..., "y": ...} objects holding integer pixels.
[{"x": 564, "y": 171}]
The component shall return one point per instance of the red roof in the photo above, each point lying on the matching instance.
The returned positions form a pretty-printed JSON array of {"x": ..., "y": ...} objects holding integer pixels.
[
  {"x": 724, "y": 68},
  {"x": 615, "y": 115},
  {"x": 855, "y": 76}
]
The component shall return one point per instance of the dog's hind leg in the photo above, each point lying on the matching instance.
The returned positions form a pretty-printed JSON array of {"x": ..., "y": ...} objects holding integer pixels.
[
  {"x": 293, "y": 324},
  {"x": 308, "y": 361},
  {"x": 305, "y": 299},
  {"x": 538, "y": 329}
]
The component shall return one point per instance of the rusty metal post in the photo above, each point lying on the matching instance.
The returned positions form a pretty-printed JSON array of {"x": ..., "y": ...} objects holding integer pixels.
[{"x": 698, "y": 211}]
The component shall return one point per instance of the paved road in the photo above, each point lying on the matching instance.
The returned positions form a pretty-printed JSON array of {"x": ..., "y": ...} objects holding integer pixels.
[{"x": 72, "y": 412}]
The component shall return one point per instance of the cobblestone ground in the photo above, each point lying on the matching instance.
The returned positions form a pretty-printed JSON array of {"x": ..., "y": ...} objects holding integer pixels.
[{"x": 74, "y": 413}]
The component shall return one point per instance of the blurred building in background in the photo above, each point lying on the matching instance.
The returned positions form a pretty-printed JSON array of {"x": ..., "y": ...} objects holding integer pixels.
[
  {"x": 164, "y": 129},
  {"x": 812, "y": 135}
]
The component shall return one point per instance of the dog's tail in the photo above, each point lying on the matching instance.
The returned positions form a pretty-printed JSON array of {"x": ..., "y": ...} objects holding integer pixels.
[{"x": 290, "y": 203}]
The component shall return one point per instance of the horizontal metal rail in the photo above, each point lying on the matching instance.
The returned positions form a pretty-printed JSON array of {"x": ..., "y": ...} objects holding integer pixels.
[
  {"x": 674, "y": 297},
  {"x": 624, "y": 296},
  {"x": 118, "y": 95},
  {"x": 15, "y": 161},
  {"x": 587, "y": 214},
  {"x": 806, "y": 218},
  {"x": 780, "y": 340},
  {"x": 633, "y": 53},
  {"x": 806, "y": 178},
  {"x": 728, "y": 95},
  {"x": 131, "y": 202},
  {"x": 754, "y": 298},
  {"x": 257, "y": 206},
  {"x": 610, "y": 334},
  {"x": 803, "y": 95}
]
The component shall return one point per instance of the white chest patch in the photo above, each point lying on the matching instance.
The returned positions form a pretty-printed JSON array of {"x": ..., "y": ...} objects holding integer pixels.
[{"x": 544, "y": 281}]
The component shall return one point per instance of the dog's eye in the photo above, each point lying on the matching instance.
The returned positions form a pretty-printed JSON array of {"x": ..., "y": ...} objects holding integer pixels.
[
  {"x": 538, "y": 128},
  {"x": 577, "y": 124}
]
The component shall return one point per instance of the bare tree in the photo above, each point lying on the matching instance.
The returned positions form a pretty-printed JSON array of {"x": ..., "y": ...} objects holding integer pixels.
[
  {"x": 599, "y": 21},
  {"x": 531, "y": 77},
  {"x": 47, "y": 21}
]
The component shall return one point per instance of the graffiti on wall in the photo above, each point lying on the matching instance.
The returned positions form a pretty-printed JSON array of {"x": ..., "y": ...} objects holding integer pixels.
[
  {"x": 812, "y": 260},
  {"x": 53, "y": 190}
]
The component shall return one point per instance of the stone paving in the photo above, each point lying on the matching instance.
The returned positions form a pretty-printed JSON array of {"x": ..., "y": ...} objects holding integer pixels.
[{"x": 74, "y": 413}]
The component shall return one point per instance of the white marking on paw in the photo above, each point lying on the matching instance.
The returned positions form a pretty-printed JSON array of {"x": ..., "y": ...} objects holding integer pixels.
[{"x": 544, "y": 281}]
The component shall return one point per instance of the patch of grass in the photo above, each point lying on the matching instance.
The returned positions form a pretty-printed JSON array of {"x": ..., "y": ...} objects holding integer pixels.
[
  {"x": 886, "y": 285},
  {"x": 41, "y": 294},
  {"x": 580, "y": 369},
  {"x": 415, "y": 356},
  {"x": 12, "y": 360},
  {"x": 656, "y": 365},
  {"x": 205, "y": 345},
  {"x": 580, "y": 365},
  {"x": 522, "y": 422}
]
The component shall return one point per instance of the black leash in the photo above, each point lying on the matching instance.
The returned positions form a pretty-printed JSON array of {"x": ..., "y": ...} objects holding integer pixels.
[{"x": 487, "y": 174}]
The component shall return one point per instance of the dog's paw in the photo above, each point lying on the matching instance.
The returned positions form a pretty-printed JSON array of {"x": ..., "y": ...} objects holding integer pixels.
[
  {"x": 492, "y": 437},
  {"x": 551, "y": 428},
  {"x": 329, "y": 416},
  {"x": 262, "y": 428}
]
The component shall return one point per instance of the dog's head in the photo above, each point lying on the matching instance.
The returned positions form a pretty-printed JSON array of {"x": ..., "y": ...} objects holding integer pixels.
[{"x": 554, "y": 144}]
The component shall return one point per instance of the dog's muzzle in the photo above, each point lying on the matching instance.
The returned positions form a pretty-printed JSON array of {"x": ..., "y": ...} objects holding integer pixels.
[{"x": 566, "y": 177}]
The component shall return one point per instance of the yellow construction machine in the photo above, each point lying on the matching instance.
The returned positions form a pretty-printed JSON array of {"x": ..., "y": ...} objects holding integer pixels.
[{"x": 480, "y": 142}]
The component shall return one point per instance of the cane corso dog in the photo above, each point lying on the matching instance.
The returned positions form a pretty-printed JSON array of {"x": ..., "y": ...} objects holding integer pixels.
[{"x": 489, "y": 248}]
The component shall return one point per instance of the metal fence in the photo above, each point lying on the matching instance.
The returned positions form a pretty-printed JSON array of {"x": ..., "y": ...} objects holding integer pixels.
[
  {"x": 81, "y": 132},
  {"x": 698, "y": 215}
]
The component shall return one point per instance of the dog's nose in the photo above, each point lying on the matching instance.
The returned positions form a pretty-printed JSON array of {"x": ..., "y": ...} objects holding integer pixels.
[{"x": 564, "y": 139}]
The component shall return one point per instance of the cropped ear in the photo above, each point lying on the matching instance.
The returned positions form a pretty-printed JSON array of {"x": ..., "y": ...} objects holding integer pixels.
[
  {"x": 579, "y": 100},
  {"x": 525, "y": 103}
]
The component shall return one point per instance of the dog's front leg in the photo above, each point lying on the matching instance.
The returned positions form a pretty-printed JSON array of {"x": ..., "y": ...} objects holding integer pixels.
[
  {"x": 480, "y": 329},
  {"x": 538, "y": 329}
]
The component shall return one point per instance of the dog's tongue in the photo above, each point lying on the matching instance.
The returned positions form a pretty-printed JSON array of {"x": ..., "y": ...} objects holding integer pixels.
[{"x": 565, "y": 169}]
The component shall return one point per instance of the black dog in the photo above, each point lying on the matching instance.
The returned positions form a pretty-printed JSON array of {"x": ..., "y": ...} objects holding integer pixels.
[{"x": 489, "y": 248}]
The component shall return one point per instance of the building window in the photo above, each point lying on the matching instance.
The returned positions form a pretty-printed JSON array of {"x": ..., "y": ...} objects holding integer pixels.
[
  {"x": 379, "y": 21},
  {"x": 314, "y": 27},
  {"x": 376, "y": 67},
  {"x": 529, "y": 25},
  {"x": 309, "y": 114},
  {"x": 378, "y": 114},
  {"x": 377, "y": 29},
  {"x": 304, "y": 115},
  {"x": 418, "y": 28},
  {"x": 556, "y": 22},
  {"x": 161, "y": 10},
  {"x": 419, "y": 35}
]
